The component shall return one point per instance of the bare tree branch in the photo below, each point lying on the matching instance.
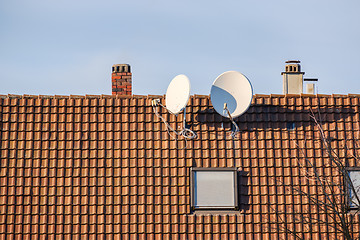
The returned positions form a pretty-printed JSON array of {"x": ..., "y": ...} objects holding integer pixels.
[{"x": 331, "y": 201}]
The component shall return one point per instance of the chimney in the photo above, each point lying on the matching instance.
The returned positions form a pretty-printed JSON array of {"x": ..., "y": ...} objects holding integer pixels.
[
  {"x": 292, "y": 78},
  {"x": 310, "y": 87},
  {"x": 121, "y": 79}
]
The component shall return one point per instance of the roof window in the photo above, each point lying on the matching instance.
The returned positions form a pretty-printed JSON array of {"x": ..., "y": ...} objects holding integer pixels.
[
  {"x": 290, "y": 126},
  {"x": 354, "y": 193},
  {"x": 214, "y": 189}
]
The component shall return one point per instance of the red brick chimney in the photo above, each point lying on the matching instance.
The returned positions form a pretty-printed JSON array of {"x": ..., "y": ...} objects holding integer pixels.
[{"x": 121, "y": 79}]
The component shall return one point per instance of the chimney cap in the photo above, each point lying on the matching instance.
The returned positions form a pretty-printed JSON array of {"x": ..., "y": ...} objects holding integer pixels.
[
  {"x": 121, "y": 68},
  {"x": 292, "y": 61}
]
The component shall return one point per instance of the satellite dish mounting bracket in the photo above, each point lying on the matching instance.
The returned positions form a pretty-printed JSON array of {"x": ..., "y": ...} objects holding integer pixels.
[{"x": 235, "y": 128}]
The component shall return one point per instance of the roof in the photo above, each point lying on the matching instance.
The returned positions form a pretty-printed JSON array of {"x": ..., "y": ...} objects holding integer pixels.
[{"x": 85, "y": 166}]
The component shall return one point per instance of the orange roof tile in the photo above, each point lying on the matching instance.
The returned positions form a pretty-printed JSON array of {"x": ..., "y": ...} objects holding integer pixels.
[{"x": 104, "y": 166}]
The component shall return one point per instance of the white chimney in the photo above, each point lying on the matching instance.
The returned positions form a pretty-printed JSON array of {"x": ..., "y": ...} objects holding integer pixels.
[
  {"x": 310, "y": 87},
  {"x": 292, "y": 78}
]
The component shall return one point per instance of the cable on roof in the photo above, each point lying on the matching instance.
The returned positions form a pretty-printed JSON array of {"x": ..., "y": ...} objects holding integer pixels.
[{"x": 185, "y": 132}]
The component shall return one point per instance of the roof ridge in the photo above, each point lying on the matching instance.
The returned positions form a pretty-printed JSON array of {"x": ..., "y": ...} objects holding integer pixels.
[
  {"x": 151, "y": 96},
  {"x": 261, "y": 95},
  {"x": 338, "y": 95},
  {"x": 200, "y": 96}
]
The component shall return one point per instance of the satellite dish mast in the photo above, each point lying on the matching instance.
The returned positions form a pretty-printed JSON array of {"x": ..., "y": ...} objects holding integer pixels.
[
  {"x": 177, "y": 96},
  {"x": 231, "y": 95}
]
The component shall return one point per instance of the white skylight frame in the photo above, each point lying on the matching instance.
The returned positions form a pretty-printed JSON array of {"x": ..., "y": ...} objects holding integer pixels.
[
  {"x": 214, "y": 189},
  {"x": 354, "y": 175}
]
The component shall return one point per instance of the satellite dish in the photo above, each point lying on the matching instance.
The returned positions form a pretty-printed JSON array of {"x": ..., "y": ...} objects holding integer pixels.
[
  {"x": 231, "y": 91},
  {"x": 177, "y": 94}
]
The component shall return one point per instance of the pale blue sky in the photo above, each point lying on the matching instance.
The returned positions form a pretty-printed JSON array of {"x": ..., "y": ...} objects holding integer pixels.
[{"x": 68, "y": 47}]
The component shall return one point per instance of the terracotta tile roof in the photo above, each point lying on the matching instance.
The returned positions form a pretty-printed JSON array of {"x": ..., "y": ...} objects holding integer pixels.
[{"x": 80, "y": 167}]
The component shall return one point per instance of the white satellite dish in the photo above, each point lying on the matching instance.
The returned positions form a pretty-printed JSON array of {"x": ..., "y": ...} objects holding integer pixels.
[
  {"x": 231, "y": 90},
  {"x": 177, "y": 94}
]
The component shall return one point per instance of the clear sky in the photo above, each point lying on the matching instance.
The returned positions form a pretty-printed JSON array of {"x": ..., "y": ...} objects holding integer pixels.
[{"x": 68, "y": 47}]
